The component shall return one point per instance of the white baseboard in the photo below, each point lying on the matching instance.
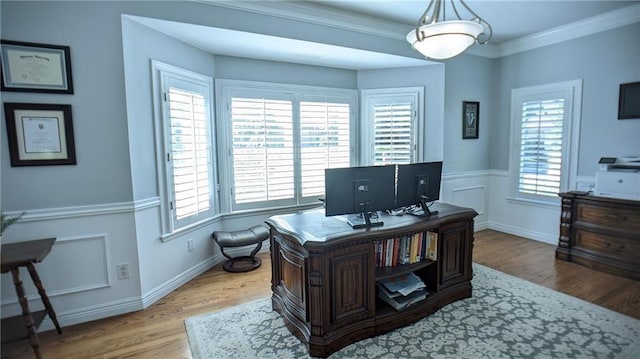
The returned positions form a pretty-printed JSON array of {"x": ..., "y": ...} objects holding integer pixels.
[
  {"x": 176, "y": 282},
  {"x": 516, "y": 231},
  {"x": 132, "y": 304},
  {"x": 87, "y": 314},
  {"x": 479, "y": 226}
]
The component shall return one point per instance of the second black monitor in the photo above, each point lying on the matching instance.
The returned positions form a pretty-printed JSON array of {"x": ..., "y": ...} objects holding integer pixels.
[{"x": 419, "y": 184}]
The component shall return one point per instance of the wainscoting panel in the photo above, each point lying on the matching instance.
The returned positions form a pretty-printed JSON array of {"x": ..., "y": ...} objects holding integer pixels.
[
  {"x": 473, "y": 197},
  {"x": 79, "y": 274},
  {"x": 529, "y": 220},
  {"x": 61, "y": 276},
  {"x": 470, "y": 189}
]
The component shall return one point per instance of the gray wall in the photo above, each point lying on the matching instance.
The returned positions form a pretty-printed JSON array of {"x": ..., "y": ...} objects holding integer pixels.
[
  {"x": 102, "y": 174},
  {"x": 141, "y": 45},
  {"x": 468, "y": 78},
  {"x": 432, "y": 78},
  {"x": 603, "y": 60},
  {"x": 282, "y": 72}
]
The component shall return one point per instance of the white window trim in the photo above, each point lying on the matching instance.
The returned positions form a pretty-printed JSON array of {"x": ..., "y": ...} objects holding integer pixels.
[
  {"x": 571, "y": 140},
  {"x": 226, "y": 89},
  {"x": 170, "y": 229},
  {"x": 368, "y": 97}
]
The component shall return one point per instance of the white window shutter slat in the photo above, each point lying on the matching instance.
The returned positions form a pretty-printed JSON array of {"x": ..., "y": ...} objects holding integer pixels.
[
  {"x": 262, "y": 137},
  {"x": 392, "y": 133},
  {"x": 324, "y": 142},
  {"x": 541, "y": 147},
  {"x": 189, "y": 147}
]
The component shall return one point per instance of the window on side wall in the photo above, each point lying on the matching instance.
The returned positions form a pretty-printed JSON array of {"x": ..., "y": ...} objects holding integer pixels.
[
  {"x": 391, "y": 125},
  {"x": 545, "y": 125},
  {"x": 184, "y": 133},
  {"x": 279, "y": 139}
]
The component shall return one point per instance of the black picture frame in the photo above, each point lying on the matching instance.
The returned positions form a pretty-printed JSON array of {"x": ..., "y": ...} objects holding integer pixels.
[
  {"x": 39, "y": 134},
  {"x": 470, "y": 119},
  {"x": 33, "y": 67}
]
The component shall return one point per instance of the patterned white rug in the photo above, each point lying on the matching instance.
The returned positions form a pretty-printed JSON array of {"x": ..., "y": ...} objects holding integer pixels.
[{"x": 506, "y": 318}]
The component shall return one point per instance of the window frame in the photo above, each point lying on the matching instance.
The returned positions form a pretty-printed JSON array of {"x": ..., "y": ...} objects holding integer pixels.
[
  {"x": 161, "y": 73},
  {"x": 572, "y": 93},
  {"x": 372, "y": 97},
  {"x": 226, "y": 89}
]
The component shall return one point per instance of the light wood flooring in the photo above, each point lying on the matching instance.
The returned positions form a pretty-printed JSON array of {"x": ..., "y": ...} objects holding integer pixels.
[{"x": 158, "y": 331}]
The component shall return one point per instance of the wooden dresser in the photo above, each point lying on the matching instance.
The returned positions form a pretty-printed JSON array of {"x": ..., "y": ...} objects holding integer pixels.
[
  {"x": 600, "y": 232},
  {"x": 324, "y": 274}
]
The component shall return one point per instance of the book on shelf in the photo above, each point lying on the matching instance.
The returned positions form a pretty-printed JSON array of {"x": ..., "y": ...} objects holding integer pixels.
[
  {"x": 406, "y": 249},
  {"x": 432, "y": 246}
]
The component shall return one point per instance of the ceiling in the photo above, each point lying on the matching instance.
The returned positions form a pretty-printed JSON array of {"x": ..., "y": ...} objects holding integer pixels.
[
  {"x": 512, "y": 22},
  {"x": 510, "y": 19}
]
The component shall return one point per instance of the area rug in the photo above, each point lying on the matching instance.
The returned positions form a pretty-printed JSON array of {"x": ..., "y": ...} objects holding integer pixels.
[{"x": 506, "y": 318}]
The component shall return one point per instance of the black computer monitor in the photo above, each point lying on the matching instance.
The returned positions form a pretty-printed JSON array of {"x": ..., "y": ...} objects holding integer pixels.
[
  {"x": 419, "y": 184},
  {"x": 360, "y": 192}
]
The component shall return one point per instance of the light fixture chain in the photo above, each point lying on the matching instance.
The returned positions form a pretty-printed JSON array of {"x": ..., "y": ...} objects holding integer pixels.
[
  {"x": 455, "y": 10},
  {"x": 480, "y": 20}
]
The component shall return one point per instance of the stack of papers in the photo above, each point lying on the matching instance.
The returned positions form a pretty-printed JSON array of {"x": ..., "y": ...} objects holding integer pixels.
[{"x": 402, "y": 291}]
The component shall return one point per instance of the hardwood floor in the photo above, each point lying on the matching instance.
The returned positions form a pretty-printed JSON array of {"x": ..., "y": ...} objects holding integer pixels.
[{"x": 158, "y": 331}]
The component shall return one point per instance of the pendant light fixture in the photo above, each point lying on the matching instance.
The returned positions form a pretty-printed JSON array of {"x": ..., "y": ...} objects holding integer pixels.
[{"x": 438, "y": 38}]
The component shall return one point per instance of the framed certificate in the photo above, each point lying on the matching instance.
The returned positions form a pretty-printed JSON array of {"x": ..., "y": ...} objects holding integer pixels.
[
  {"x": 39, "y": 134},
  {"x": 30, "y": 67}
]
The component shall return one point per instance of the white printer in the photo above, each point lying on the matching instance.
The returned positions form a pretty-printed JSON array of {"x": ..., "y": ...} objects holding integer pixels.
[{"x": 618, "y": 177}]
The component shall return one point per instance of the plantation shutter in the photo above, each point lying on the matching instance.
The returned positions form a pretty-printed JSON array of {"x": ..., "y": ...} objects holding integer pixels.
[
  {"x": 324, "y": 142},
  {"x": 392, "y": 133},
  {"x": 541, "y": 147},
  {"x": 189, "y": 152},
  {"x": 262, "y": 146}
]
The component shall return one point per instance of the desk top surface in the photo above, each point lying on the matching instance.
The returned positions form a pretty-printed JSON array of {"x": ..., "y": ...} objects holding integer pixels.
[
  {"x": 314, "y": 226},
  {"x": 22, "y": 253}
]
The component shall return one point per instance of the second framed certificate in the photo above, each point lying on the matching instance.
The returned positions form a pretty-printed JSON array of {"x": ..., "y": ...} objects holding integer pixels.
[{"x": 40, "y": 134}]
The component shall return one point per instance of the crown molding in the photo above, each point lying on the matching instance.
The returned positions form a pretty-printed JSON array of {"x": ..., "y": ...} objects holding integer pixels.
[
  {"x": 607, "y": 21},
  {"x": 320, "y": 15}
]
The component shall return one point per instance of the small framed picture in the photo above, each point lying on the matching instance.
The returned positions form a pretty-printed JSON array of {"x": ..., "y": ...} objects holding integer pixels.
[
  {"x": 30, "y": 67},
  {"x": 470, "y": 119},
  {"x": 40, "y": 134}
]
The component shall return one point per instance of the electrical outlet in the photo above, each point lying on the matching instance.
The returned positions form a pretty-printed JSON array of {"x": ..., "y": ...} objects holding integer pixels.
[
  {"x": 190, "y": 245},
  {"x": 123, "y": 270}
]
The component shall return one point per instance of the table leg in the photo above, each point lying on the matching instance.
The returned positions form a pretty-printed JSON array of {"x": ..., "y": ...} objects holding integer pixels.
[
  {"x": 26, "y": 314},
  {"x": 43, "y": 295}
]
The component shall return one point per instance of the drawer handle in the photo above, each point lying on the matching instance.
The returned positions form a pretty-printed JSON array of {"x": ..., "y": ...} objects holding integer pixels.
[
  {"x": 619, "y": 247},
  {"x": 615, "y": 216}
]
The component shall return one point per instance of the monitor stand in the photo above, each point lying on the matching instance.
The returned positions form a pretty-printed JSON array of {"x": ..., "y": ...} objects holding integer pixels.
[
  {"x": 424, "y": 210},
  {"x": 363, "y": 220}
]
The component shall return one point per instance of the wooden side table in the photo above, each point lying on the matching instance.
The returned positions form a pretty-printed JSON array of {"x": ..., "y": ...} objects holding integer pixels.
[{"x": 25, "y": 254}]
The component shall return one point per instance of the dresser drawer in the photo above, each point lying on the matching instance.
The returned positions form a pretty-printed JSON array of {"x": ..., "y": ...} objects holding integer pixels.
[
  {"x": 621, "y": 218},
  {"x": 622, "y": 249}
]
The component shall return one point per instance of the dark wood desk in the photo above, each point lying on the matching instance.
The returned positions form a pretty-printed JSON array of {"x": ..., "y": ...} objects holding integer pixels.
[
  {"x": 324, "y": 273},
  {"x": 25, "y": 254}
]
